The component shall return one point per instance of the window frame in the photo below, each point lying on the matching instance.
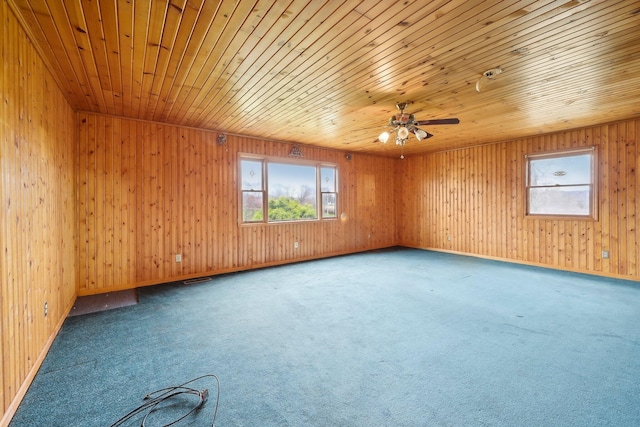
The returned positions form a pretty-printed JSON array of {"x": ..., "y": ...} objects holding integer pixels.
[
  {"x": 265, "y": 161},
  {"x": 593, "y": 196},
  {"x": 262, "y": 191},
  {"x": 322, "y": 193}
]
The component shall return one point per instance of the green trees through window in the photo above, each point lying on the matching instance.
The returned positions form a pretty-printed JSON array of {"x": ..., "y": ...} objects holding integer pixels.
[
  {"x": 287, "y": 191},
  {"x": 286, "y": 209}
]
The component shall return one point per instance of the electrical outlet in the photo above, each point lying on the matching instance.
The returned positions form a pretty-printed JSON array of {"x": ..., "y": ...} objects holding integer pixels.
[
  {"x": 605, "y": 254},
  {"x": 448, "y": 238},
  {"x": 296, "y": 245},
  {"x": 46, "y": 309},
  {"x": 178, "y": 257}
]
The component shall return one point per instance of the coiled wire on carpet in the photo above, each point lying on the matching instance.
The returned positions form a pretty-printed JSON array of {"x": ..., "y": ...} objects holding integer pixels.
[{"x": 157, "y": 397}]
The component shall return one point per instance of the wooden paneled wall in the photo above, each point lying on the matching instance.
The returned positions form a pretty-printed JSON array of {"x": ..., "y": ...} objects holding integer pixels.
[
  {"x": 472, "y": 201},
  {"x": 148, "y": 191},
  {"x": 37, "y": 218}
]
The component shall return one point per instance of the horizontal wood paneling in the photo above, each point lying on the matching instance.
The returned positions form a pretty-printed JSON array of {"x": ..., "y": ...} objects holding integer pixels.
[
  {"x": 473, "y": 201},
  {"x": 148, "y": 191},
  {"x": 37, "y": 218}
]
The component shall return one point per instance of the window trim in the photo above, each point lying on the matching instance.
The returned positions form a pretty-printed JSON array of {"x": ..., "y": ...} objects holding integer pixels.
[
  {"x": 322, "y": 193},
  {"x": 243, "y": 191},
  {"x": 593, "y": 187},
  {"x": 265, "y": 160}
]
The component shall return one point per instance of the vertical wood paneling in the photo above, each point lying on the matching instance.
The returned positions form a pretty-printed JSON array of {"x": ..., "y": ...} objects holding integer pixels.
[
  {"x": 142, "y": 240},
  {"x": 490, "y": 220},
  {"x": 633, "y": 158},
  {"x": 6, "y": 133},
  {"x": 115, "y": 163},
  {"x": 101, "y": 221},
  {"x": 128, "y": 209},
  {"x": 37, "y": 218},
  {"x": 614, "y": 194},
  {"x": 182, "y": 197}
]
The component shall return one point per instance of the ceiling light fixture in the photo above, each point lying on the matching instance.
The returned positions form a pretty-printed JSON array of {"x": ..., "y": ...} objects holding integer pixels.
[
  {"x": 420, "y": 134},
  {"x": 384, "y": 137},
  {"x": 403, "y": 125}
]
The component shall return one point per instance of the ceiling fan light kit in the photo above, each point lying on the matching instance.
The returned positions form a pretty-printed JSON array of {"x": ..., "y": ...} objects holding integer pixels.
[
  {"x": 403, "y": 134},
  {"x": 420, "y": 134},
  {"x": 403, "y": 125},
  {"x": 384, "y": 137}
]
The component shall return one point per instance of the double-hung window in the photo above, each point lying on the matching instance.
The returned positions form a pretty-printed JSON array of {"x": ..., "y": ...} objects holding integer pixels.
[
  {"x": 252, "y": 178},
  {"x": 562, "y": 183},
  {"x": 276, "y": 190},
  {"x": 328, "y": 191}
]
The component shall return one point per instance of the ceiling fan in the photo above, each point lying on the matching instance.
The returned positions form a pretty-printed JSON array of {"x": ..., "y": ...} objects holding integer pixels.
[{"x": 404, "y": 124}]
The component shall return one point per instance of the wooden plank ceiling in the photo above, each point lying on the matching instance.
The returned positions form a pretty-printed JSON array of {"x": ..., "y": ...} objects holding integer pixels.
[{"x": 329, "y": 73}]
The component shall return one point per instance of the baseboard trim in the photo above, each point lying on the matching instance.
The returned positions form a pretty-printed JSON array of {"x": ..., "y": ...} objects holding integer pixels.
[
  {"x": 85, "y": 292},
  {"x": 528, "y": 263}
]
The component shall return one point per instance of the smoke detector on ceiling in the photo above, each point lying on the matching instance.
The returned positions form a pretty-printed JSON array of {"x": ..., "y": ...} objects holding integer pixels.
[{"x": 486, "y": 76}]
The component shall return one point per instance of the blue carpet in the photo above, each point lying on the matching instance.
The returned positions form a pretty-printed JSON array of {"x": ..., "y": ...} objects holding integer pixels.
[{"x": 400, "y": 337}]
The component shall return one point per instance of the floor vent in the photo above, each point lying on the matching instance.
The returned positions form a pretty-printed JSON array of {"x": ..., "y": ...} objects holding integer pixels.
[{"x": 198, "y": 280}]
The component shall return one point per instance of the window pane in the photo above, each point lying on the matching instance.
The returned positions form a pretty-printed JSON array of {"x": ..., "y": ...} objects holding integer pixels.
[
  {"x": 251, "y": 171},
  {"x": 328, "y": 180},
  {"x": 560, "y": 200},
  {"x": 252, "y": 206},
  {"x": 328, "y": 205},
  {"x": 292, "y": 192},
  {"x": 564, "y": 170}
]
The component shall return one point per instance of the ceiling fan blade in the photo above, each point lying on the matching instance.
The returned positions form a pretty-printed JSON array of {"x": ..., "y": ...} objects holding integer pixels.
[{"x": 452, "y": 121}]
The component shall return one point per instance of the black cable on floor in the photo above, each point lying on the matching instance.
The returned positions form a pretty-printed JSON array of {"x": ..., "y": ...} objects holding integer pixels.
[{"x": 157, "y": 397}]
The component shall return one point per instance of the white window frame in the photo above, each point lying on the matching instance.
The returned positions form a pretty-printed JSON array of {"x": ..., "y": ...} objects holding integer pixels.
[
  {"x": 258, "y": 191},
  {"x": 265, "y": 161},
  {"x": 324, "y": 214},
  {"x": 591, "y": 184}
]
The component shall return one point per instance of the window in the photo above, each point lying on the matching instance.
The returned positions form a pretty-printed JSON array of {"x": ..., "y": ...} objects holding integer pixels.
[
  {"x": 286, "y": 191},
  {"x": 328, "y": 191},
  {"x": 561, "y": 183},
  {"x": 252, "y": 190},
  {"x": 292, "y": 192}
]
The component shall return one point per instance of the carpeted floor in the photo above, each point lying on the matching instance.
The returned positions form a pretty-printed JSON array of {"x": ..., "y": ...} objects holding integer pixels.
[{"x": 400, "y": 337}]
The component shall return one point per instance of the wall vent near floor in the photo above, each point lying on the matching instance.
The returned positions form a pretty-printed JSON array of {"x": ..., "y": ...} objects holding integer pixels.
[{"x": 198, "y": 280}]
